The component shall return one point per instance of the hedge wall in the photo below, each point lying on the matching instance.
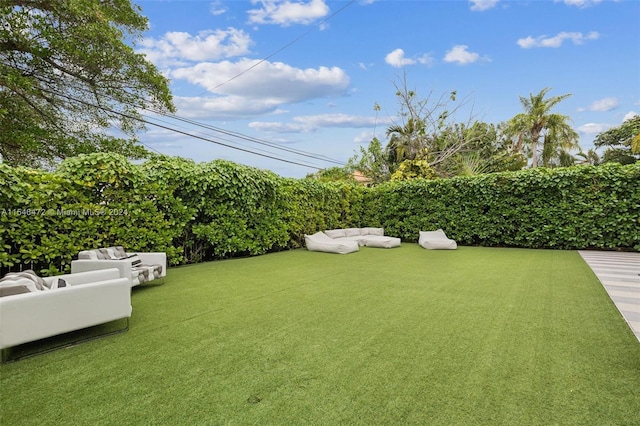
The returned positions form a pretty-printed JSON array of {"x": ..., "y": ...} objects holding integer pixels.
[
  {"x": 193, "y": 212},
  {"x": 568, "y": 208},
  {"x": 197, "y": 212}
]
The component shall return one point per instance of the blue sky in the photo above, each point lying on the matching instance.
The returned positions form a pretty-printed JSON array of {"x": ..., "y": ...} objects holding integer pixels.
[{"x": 304, "y": 75}]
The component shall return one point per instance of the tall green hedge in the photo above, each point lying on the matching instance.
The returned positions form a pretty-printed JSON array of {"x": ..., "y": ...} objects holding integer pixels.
[
  {"x": 568, "y": 208},
  {"x": 197, "y": 212}
]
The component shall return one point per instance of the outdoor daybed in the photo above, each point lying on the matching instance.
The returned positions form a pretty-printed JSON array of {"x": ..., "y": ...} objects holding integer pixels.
[
  {"x": 322, "y": 242},
  {"x": 349, "y": 240},
  {"x": 436, "y": 240},
  {"x": 34, "y": 308},
  {"x": 137, "y": 267}
]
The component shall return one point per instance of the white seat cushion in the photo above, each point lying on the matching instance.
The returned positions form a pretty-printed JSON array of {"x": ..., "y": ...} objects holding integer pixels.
[
  {"x": 322, "y": 242},
  {"x": 436, "y": 240}
]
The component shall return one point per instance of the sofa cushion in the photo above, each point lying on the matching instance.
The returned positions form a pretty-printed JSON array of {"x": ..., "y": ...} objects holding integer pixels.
[
  {"x": 16, "y": 286},
  {"x": 112, "y": 253},
  {"x": 103, "y": 254},
  {"x": 336, "y": 233},
  {"x": 88, "y": 254},
  {"x": 321, "y": 242},
  {"x": 381, "y": 241},
  {"x": 135, "y": 260},
  {"x": 352, "y": 232},
  {"x": 120, "y": 252},
  {"x": 436, "y": 240},
  {"x": 28, "y": 274},
  {"x": 372, "y": 231},
  {"x": 58, "y": 283}
]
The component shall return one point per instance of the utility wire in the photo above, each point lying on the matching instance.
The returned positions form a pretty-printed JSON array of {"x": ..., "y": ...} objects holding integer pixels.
[
  {"x": 122, "y": 114},
  {"x": 227, "y": 132},
  {"x": 196, "y": 123},
  {"x": 219, "y": 138},
  {"x": 247, "y": 138}
]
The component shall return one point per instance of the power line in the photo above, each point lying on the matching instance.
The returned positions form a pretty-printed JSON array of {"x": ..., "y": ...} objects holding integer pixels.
[
  {"x": 248, "y": 138},
  {"x": 223, "y": 131},
  {"x": 176, "y": 130},
  {"x": 195, "y": 123},
  {"x": 227, "y": 140}
]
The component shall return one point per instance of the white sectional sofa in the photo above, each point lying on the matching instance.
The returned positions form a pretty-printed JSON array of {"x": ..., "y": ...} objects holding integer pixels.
[
  {"x": 349, "y": 240},
  {"x": 69, "y": 302},
  {"x": 137, "y": 267},
  {"x": 322, "y": 242}
]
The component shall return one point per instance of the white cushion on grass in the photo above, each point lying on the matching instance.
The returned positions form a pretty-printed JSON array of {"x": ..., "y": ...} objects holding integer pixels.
[
  {"x": 322, "y": 242},
  {"x": 380, "y": 241},
  {"x": 436, "y": 240}
]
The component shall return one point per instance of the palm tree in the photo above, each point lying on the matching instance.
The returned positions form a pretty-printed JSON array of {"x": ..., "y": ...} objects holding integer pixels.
[
  {"x": 537, "y": 121},
  {"x": 407, "y": 141}
]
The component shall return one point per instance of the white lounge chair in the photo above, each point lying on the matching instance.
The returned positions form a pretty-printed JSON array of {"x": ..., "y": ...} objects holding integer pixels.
[
  {"x": 436, "y": 240},
  {"x": 322, "y": 242}
]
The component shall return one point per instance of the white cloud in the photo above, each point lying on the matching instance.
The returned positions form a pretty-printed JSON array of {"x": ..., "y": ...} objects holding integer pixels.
[
  {"x": 556, "y": 41},
  {"x": 279, "y": 127},
  {"x": 223, "y": 107},
  {"x": 398, "y": 60},
  {"x": 426, "y": 59},
  {"x": 605, "y": 104},
  {"x": 311, "y": 123},
  {"x": 287, "y": 12},
  {"x": 580, "y": 3},
  {"x": 480, "y": 5},
  {"x": 264, "y": 89},
  {"x": 593, "y": 128},
  {"x": 217, "y": 8},
  {"x": 175, "y": 47},
  {"x": 461, "y": 55},
  {"x": 596, "y": 128},
  {"x": 266, "y": 80}
]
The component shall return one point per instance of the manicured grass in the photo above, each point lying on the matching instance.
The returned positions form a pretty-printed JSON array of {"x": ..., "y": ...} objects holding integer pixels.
[{"x": 400, "y": 336}]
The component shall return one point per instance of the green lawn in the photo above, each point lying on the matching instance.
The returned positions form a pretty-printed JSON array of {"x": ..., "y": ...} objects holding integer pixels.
[{"x": 398, "y": 336}]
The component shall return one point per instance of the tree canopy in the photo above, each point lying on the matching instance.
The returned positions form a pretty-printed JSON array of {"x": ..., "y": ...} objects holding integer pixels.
[
  {"x": 69, "y": 74},
  {"x": 622, "y": 142},
  {"x": 425, "y": 141},
  {"x": 538, "y": 121}
]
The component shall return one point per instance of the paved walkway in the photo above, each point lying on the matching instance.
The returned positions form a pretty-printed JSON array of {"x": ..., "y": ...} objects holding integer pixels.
[{"x": 619, "y": 273}]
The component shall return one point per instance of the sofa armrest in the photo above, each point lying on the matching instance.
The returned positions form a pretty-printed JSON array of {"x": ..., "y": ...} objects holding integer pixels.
[
  {"x": 90, "y": 276},
  {"x": 83, "y": 265},
  {"x": 154, "y": 259},
  {"x": 37, "y": 315}
]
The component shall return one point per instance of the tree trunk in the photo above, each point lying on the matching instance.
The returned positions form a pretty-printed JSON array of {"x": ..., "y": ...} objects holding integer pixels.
[{"x": 534, "y": 149}]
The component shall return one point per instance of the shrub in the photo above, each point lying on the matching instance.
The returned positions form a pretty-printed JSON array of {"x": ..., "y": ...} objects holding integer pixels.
[
  {"x": 196, "y": 212},
  {"x": 568, "y": 208}
]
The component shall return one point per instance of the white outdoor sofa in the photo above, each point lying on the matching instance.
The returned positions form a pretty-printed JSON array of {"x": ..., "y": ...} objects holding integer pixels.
[
  {"x": 137, "y": 267},
  {"x": 322, "y": 242},
  {"x": 436, "y": 240},
  {"x": 68, "y": 303},
  {"x": 349, "y": 240}
]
